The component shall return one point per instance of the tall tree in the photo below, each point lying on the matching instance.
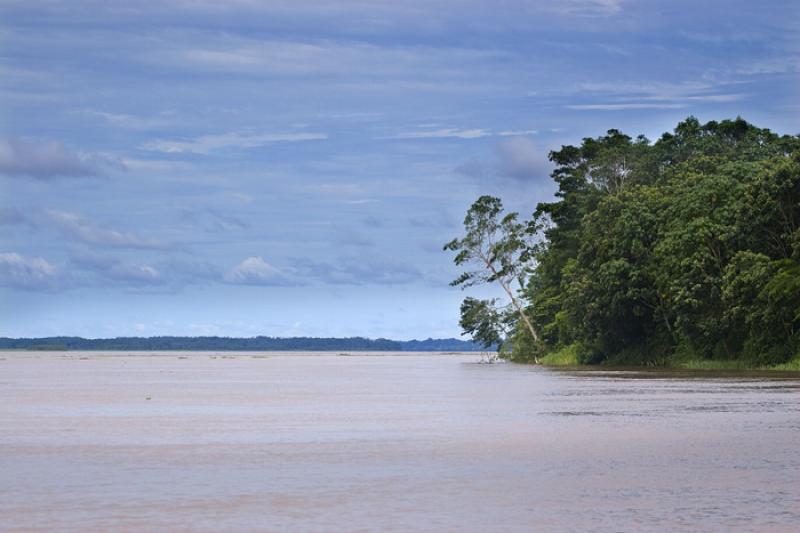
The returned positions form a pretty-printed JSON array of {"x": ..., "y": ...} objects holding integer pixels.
[{"x": 499, "y": 249}]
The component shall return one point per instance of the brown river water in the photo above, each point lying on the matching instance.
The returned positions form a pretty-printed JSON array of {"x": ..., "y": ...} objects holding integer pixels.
[{"x": 255, "y": 442}]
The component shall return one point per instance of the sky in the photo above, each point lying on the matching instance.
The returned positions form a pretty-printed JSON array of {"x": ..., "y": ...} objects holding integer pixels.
[{"x": 286, "y": 168}]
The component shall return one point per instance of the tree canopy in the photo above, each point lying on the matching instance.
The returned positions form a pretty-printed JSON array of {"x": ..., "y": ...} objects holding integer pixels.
[{"x": 685, "y": 247}]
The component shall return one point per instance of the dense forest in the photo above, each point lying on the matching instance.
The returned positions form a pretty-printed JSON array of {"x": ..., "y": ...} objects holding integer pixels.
[
  {"x": 245, "y": 344},
  {"x": 687, "y": 248}
]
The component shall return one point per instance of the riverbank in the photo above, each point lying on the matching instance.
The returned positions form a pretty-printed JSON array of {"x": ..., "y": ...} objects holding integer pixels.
[{"x": 569, "y": 357}]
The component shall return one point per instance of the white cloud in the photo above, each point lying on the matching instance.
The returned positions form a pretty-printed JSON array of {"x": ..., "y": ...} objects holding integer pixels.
[
  {"x": 36, "y": 273},
  {"x": 622, "y": 107},
  {"x": 777, "y": 65},
  {"x": 92, "y": 269},
  {"x": 443, "y": 133},
  {"x": 356, "y": 116},
  {"x": 514, "y": 133},
  {"x": 209, "y": 143},
  {"x": 712, "y": 98},
  {"x": 134, "y": 273},
  {"x": 459, "y": 133},
  {"x": 361, "y": 201},
  {"x": 87, "y": 232},
  {"x": 256, "y": 271},
  {"x": 319, "y": 57},
  {"x": 26, "y": 272},
  {"x": 369, "y": 269},
  {"x": 585, "y": 8},
  {"x": 622, "y": 96},
  {"x": 154, "y": 165},
  {"x": 134, "y": 122}
]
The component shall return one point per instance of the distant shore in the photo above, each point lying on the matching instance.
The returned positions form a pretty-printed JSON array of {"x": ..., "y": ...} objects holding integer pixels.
[
  {"x": 254, "y": 344},
  {"x": 13, "y": 354}
]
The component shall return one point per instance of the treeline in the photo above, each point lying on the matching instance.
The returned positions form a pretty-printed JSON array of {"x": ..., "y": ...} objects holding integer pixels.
[
  {"x": 241, "y": 344},
  {"x": 686, "y": 248}
]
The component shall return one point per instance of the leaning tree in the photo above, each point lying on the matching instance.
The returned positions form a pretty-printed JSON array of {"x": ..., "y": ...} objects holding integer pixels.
[{"x": 498, "y": 250}]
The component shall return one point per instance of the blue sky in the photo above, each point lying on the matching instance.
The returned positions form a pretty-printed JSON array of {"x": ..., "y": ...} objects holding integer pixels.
[{"x": 293, "y": 168}]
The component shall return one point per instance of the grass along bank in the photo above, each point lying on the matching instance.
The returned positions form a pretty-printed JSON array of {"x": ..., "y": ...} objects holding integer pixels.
[{"x": 568, "y": 356}]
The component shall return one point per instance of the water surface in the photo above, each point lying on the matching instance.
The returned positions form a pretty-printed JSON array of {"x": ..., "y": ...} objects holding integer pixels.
[{"x": 209, "y": 442}]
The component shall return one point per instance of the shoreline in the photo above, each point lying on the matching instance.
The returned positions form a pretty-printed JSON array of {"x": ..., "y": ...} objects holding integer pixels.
[
  {"x": 222, "y": 354},
  {"x": 562, "y": 359}
]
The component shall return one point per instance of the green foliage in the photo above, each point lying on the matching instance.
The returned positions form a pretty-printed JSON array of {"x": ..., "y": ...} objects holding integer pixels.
[
  {"x": 521, "y": 347},
  {"x": 792, "y": 366},
  {"x": 566, "y": 356},
  {"x": 483, "y": 322},
  {"x": 495, "y": 244},
  {"x": 683, "y": 249},
  {"x": 498, "y": 249}
]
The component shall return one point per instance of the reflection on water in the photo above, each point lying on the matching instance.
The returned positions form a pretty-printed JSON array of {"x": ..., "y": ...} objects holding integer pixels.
[{"x": 409, "y": 442}]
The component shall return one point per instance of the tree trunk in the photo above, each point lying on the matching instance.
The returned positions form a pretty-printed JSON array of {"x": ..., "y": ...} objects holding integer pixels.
[
  {"x": 522, "y": 314},
  {"x": 515, "y": 303}
]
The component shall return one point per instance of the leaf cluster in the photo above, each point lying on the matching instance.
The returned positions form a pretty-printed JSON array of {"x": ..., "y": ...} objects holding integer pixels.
[{"x": 689, "y": 245}]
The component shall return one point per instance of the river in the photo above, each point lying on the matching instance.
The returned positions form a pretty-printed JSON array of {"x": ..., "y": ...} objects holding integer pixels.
[{"x": 265, "y": 442}]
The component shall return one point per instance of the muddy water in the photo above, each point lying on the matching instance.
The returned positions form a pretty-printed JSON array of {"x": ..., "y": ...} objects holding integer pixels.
[{"x": 405, "y": 443}]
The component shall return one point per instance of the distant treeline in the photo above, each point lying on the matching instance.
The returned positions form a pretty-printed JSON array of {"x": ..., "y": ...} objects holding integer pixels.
[{"x": 244, "y": 344}]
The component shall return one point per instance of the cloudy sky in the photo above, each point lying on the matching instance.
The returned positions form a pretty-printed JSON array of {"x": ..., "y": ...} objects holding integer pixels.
[{"x": 282, "y": 168}]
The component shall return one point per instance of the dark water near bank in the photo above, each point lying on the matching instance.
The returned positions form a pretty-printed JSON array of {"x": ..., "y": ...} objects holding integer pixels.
[{"x": 409, "y": 442}]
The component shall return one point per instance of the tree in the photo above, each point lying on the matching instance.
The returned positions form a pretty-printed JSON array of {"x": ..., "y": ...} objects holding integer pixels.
[
  {"x": 500, "y": 251},
  {"x": 608, "y": 290},
  {"x": 688, "y": 247}
]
